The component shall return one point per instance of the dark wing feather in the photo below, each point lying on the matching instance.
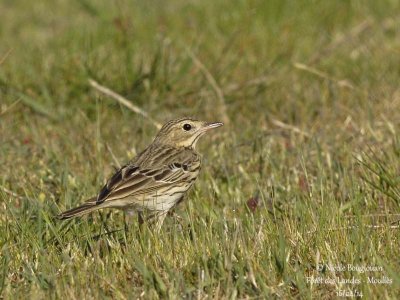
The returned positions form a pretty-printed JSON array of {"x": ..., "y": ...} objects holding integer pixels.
[
  {"x": 134, "y": 180},
  {"x": 111, "y": 183},
  {"x": 114, "y": 181}
]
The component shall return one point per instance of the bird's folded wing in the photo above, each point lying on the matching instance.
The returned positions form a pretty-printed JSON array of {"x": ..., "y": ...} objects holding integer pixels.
[{"x": 131, "y": 180}]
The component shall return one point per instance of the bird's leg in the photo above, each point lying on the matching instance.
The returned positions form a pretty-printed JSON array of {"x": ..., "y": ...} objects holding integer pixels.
[
  {"x": 156, "y": 219},
  {"x": 140, "y": 218},
  {"x": 128, "y": 214},
  {"x": 177, "y": 217},
  {"x": 104, "y": 220},
  {"x": 125, "y": 225},
  {"x": 159, "y": 220}
]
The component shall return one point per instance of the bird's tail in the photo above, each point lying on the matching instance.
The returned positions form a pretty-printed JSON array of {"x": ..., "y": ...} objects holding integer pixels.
[{"x": 84, "y": 209}]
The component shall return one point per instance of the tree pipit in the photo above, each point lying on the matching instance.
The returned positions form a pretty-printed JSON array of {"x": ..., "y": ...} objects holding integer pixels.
[{"x": 157, "y": 179}]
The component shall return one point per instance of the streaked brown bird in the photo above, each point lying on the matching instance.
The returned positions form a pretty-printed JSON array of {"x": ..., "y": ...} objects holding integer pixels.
[{"x": 158, "y": 178}]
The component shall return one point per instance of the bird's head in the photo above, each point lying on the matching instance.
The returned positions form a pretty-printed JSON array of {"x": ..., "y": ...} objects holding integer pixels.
[{"x": 184, "y": 132}]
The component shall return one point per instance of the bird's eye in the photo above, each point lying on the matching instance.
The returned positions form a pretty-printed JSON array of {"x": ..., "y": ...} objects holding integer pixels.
[{"x": 187, "y": 127}]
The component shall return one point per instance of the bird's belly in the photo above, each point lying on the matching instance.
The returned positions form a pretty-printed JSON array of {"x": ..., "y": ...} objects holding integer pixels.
[
  {"x": 163, "y": 201},
  {"x": 149, "y": 202},
  {"x": 159, "y": 202}
]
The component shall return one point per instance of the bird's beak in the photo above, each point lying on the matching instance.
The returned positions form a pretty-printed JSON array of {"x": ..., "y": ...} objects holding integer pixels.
[{"x": 213, "y": 125}]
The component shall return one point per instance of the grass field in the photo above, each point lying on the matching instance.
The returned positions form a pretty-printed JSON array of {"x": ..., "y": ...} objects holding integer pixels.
[{"x": 302, "y": 180}]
